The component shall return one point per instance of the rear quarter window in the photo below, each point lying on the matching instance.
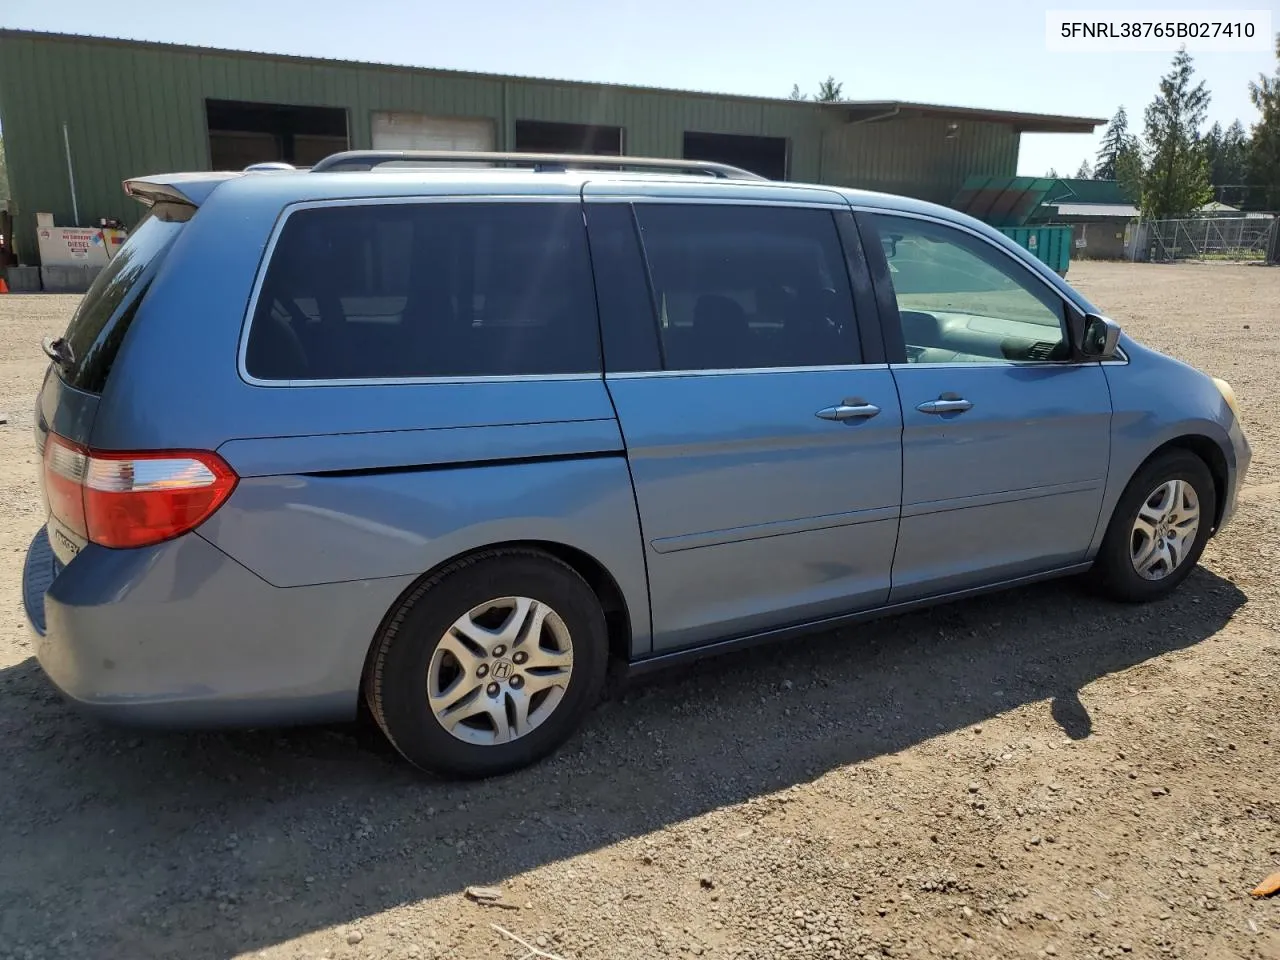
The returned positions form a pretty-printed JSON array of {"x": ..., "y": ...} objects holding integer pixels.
[
  {"x": 405, "y": 291},
  {"x": 100, "y": 323}
]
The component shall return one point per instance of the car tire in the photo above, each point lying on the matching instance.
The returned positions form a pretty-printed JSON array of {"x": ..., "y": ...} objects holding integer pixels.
[
  {"x": 489, "y": 664},
  {"x": 1165, "y": 491}
]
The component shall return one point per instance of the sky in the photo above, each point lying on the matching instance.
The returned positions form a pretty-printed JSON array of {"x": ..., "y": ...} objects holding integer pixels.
[{"x": 984, "y": 53}]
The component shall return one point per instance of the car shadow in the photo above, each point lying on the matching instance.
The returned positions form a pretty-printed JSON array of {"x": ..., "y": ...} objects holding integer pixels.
[{"x": 121, "y": 843}]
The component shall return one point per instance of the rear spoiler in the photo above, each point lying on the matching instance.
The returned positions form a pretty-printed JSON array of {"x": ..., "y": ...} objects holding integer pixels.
[{"x": 188, "y": 189}]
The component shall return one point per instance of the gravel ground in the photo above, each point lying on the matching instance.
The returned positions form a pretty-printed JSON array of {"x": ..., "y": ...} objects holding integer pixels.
[{"x": 1033, "y": 774}]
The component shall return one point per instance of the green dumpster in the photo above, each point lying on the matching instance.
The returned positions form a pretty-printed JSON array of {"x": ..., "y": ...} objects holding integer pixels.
[{"x": 1051, "y": 245}]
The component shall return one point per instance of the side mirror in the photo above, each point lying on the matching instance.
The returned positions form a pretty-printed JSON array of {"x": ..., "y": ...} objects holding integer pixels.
[
  {"x": 1099, "y": 338},
  {"x": 890, "y": 245}
]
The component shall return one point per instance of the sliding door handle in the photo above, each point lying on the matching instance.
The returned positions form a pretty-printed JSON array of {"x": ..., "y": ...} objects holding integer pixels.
[
  {"x": 944, "y": 406},
  {"x": 849, "y": 410}
]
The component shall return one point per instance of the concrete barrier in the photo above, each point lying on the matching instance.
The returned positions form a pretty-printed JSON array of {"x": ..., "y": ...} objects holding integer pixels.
[
  {"x": 69, "y": 279},
  {"x": 23, "y": 279}
]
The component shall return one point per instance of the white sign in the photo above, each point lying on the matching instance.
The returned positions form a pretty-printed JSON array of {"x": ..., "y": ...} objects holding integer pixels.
[
  {"x": 1148, "y": 31},
  {"x": 64, "y": 246}
]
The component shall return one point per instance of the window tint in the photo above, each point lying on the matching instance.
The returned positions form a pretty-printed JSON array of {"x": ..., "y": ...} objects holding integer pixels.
[
  {"x": 622, "y": 290},
  {"x": 98, "y": 327},
  {"x": 963, "y": 300},
  {"x": 748, "y": 286},
  {"x": 425, "y": 290}
]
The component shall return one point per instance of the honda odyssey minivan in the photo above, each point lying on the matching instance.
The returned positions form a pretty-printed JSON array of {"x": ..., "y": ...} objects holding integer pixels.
[{"x": 451, "y": 441}]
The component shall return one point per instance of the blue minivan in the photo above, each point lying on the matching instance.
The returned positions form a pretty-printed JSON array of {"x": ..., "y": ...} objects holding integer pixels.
[{"x": 452, "y": 439}]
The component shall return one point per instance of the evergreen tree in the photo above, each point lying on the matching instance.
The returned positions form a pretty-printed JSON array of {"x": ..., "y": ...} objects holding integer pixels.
[
  {"x": 1264, "y": 149},
  {"x": 1115, "y": 140},
  {"x": 829, "y": 91},
  {"x": 1174, "y": 179},
  {"x": 1228, "y": 154},
  {"x": 1084, "y": 173},
  {"x": 1129, "y": 170},
  {"x": 1213, "y": 151},
  {"x": 1235, "y": 148}
]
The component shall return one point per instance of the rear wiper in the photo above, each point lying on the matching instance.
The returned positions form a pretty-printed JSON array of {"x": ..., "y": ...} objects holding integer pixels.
[{"x": 58, "y": 350}]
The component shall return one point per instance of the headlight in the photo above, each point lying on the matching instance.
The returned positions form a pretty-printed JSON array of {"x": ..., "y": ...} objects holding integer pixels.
[{"x": 1228, "y": 395}]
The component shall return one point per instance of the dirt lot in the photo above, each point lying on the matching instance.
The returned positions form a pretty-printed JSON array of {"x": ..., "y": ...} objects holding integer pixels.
[{"x": 1035, "y": 774}]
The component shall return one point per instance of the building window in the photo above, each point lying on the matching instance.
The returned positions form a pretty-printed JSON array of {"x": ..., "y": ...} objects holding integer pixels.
[
  {"x": 241, "y": 133},
  {"x": 538, "y": 136},
  {"x": 766, "y": 156}
]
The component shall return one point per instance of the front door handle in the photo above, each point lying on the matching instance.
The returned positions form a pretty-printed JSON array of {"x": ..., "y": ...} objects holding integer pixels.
[
  {"x": 849, "y": 410},
  {"x": 945, "y": 406}
]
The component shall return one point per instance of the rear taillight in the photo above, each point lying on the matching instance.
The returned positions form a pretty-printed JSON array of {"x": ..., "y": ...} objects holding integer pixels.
[{"x": 133, "y": 499}]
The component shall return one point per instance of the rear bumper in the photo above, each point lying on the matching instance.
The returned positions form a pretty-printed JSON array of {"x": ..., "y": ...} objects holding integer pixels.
[{"x": 181, "y": 636}]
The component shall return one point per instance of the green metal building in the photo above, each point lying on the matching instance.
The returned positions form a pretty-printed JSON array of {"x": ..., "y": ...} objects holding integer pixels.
[{"x": 94, "y": 111}]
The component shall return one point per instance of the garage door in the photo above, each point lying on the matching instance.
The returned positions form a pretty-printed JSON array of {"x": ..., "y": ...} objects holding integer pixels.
[{"x": 416, "y": 131}]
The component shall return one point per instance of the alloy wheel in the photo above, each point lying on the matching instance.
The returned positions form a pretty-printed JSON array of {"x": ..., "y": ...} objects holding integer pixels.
[
  {"x": 500, "y": 670},
  {"x": 1164, "y": 530}
]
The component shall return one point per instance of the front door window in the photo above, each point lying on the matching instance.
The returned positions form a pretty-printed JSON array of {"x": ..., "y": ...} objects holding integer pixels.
[{"x": 961, "y": 300}]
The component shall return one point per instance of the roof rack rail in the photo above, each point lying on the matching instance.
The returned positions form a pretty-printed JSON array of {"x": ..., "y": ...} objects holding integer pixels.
[{"x": 364, "y": 160}]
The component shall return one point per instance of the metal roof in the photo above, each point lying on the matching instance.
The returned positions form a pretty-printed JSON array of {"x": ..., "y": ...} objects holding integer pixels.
[
  {"x": 862, "y": 111},
  {"x": 1002, "y": 201},
  {"x": 856, "y": 111},
  {"x": 1079, "y": 190},
  {"x": 1013, "y": 201},
  {"x": 1128, "y": 211}
]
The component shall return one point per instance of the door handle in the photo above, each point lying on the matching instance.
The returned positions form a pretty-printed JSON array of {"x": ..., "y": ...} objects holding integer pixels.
[
  {"x": 945, "y": 406},
  {"x": 849, "y": 410}
]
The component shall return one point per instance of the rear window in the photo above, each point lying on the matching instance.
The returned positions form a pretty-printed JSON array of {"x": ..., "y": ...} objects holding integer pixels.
[
  {"x": 397, "y": 291},
  {"x": 98, "y": 327}
]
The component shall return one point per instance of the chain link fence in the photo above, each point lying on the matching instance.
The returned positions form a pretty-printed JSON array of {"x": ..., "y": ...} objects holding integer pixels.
[{"x": 1207, "y": 238}]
